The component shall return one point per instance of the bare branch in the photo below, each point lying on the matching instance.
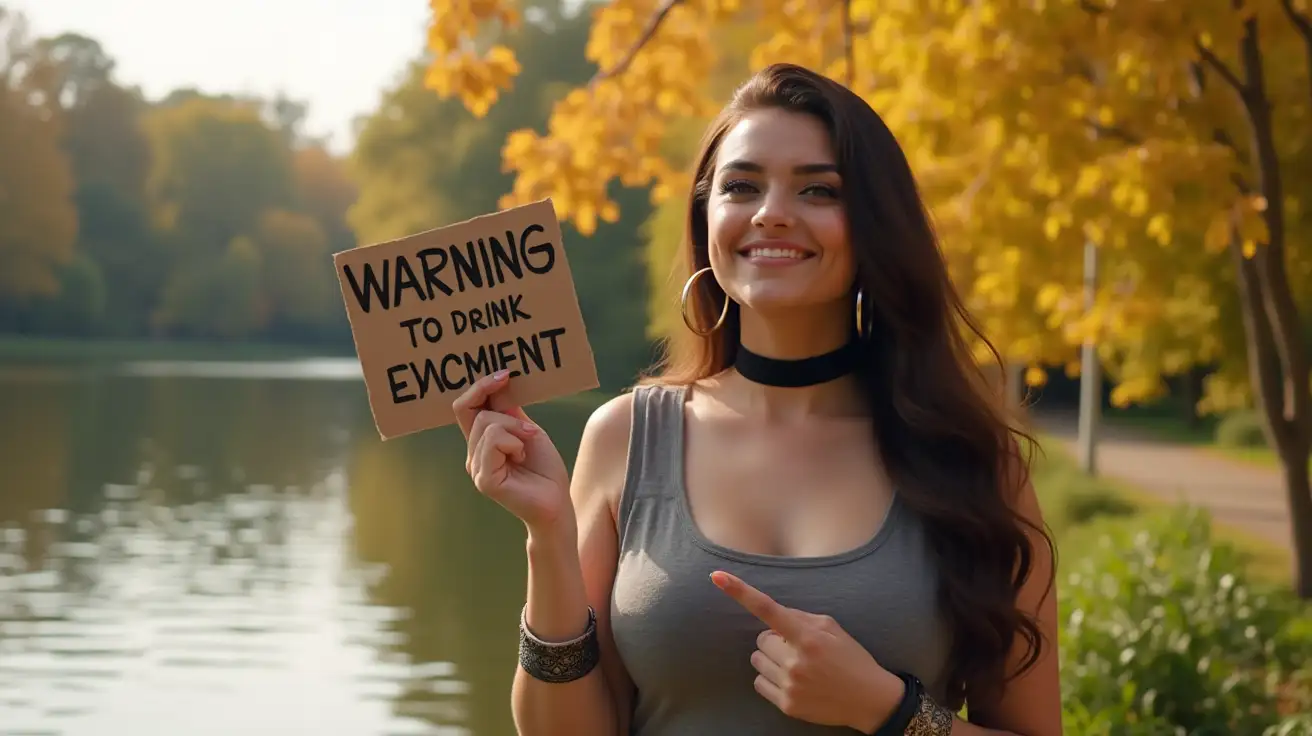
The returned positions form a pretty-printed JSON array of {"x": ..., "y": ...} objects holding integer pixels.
[
  {"x": 1304, "y": 25},
  {"x": 1302, "y": 22},
  {"x": 648, "y": 32},
  {"x": 1226, "y": 72}
]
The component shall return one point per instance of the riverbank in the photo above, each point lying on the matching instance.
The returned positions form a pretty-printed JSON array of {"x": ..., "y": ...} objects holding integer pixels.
[{"x": 33, "y": 349}]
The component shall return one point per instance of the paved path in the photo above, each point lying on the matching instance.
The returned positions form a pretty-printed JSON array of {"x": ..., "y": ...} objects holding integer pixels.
[{"x": 1251, "y": 498}]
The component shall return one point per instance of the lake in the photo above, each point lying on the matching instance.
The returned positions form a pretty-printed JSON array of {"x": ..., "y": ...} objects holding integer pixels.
[{"x": 229, "y": 548}]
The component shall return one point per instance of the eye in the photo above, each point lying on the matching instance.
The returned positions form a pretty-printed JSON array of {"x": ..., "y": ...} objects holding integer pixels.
[
  {"x": 823, "y": 190},
  {"x": 736, "y": 186}
]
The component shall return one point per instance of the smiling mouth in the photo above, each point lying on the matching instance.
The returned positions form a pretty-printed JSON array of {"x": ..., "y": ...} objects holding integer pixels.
[{"x": 775, "y": 254}]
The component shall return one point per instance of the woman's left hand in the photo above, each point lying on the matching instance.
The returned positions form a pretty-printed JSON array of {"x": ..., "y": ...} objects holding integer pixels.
[{"x": 812, "y": 669}]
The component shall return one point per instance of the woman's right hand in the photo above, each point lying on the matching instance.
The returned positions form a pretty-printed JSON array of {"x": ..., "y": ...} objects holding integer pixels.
[{"x": 511, "y": 459}]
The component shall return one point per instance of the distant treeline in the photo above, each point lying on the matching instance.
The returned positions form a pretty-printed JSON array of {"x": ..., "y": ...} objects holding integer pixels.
[{"x": 204, "y": 216}]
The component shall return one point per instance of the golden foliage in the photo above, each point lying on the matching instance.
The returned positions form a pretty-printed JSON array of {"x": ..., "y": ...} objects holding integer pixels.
[{"x": 1033, "y": 127}]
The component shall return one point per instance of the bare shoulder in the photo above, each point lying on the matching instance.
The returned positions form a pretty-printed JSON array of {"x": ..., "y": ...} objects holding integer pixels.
[{"x": 602, "y": 459}]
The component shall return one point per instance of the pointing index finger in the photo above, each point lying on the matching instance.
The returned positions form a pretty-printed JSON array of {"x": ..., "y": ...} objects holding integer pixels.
[{"x": 769, "y": 611}]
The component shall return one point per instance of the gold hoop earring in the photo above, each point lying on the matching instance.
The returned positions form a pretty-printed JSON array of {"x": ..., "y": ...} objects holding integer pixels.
[
  {"x": 860, "y": 316},
  {"x": 683, "y": 305}
]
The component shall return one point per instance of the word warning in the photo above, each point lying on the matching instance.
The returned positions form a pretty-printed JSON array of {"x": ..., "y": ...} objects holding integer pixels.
[{"x": 433, "y": 312}]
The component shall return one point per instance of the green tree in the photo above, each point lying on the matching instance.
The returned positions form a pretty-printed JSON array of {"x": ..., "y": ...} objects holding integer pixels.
[
  {"x": 216, "y": 166},
  {"x": 38, "y": 222},
  {"x": 325, "y": 191},
  {"x": 219, "y": 298},
  {"x": 110, "y": 156},
  {"x": 299, "y": 284}
]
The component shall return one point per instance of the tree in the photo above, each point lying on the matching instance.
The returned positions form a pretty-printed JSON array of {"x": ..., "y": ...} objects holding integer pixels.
[
  {"x": 38, "y": 223},
  {"x": 1165, "y": 133},
  {"x": 299, "y": 283},
  {"x": 422, "y": 162},
  {"x": 216, "y": 166},
  {"x": 325, "y": 191},
  {"x": 111, "y": 159}
]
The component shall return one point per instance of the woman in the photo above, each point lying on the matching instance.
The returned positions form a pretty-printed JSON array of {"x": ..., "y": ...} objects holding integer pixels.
[{"x": 815, "y": 519}]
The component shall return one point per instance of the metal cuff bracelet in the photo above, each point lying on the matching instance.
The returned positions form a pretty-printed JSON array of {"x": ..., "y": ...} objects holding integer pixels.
[{"x": 564, "y": 661}]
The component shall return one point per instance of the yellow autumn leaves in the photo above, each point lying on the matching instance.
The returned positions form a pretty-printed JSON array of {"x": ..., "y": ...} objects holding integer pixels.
[
  {"x": 1033, "y": 127},
  {"x": 460, "y": 67}
]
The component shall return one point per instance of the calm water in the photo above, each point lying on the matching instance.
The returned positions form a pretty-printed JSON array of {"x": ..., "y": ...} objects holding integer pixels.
[{"x": 208, "y": 549}]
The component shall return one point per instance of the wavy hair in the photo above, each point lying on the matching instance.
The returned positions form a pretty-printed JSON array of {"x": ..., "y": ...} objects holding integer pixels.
[{"x": 944, "y": 433}]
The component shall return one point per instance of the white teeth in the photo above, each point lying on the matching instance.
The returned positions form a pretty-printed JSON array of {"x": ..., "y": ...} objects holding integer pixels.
[{"x": 775, "y": 253}]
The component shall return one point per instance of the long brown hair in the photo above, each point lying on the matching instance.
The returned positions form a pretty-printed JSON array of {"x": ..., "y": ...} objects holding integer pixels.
[{"x": 943, "y": 431}]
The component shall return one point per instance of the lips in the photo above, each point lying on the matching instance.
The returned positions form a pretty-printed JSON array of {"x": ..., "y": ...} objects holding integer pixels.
[{"x": 775, "y": 250}]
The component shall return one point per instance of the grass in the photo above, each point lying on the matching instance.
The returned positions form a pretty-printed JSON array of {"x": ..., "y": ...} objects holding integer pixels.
[
  {"x": 1077, "y": 507},
  {"x": 21, "y": 348}
]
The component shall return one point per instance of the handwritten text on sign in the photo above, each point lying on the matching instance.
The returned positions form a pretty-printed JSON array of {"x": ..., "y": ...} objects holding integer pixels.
[{"x": 433, "y": 312}]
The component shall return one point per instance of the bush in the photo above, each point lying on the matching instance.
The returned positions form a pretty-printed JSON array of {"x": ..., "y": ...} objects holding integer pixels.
[
  {"x": 1163, "y": 635},
  {"x": 1241, "y": 430}
]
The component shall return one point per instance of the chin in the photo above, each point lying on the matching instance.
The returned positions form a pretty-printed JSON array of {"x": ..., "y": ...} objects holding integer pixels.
[{"x": 772, "y": 299}]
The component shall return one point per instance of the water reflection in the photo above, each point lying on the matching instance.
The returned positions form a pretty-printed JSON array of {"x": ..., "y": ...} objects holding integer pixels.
[{"x": 188, "y": 555}]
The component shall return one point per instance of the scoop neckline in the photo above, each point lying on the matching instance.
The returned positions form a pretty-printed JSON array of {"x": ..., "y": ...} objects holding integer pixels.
[{"x": 690, "y": 527}]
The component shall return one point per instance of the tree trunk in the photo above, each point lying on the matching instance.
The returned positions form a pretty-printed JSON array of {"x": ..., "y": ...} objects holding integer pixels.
[
  {"x": 1191, "y": 388},
  {"x": 1278, "y": 361},
  {"x": 1299, "y": 490}
]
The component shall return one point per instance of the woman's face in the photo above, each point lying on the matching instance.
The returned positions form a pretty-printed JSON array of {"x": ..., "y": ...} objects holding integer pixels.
[{"x": 775, "y": 217}]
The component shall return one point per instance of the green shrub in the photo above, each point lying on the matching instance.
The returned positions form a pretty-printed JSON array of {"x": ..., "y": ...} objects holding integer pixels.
[
  {"x": 1241, "y": 430},
  {"x": 1070, "y": 498},
  {"x": 1163, "y": 635}
]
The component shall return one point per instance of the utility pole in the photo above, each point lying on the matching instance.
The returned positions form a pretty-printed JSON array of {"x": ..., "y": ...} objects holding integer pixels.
[{"x": 1090, "y": 371}]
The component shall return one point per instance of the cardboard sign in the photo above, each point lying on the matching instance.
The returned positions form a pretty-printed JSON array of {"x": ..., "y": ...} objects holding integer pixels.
[{"x": 433, "y": 312}]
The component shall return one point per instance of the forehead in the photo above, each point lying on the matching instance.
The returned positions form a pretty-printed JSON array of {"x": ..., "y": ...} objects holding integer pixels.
[{"x": 774, "y": 137}]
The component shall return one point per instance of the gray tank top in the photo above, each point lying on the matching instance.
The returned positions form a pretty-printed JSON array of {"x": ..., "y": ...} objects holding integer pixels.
[{"x": 687, "y": 645}]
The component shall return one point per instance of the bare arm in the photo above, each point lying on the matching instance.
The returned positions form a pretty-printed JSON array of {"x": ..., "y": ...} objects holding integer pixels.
[{"x": 571, "y": 565}]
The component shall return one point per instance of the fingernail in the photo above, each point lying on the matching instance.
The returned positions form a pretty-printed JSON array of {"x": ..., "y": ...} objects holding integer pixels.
[
  {"x": 529, "y": 427},
  {"x": 500, "y": 375},
  {"x": 720, "y": 579}
]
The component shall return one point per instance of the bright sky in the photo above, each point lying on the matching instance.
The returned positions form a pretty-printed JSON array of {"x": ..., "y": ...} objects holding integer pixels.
[{"x": 337, "y": 55}]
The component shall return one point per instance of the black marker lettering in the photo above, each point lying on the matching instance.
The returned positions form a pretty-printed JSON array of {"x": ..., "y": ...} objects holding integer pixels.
[
  {"x": 551, "y": 335},
  {"x": 546, "y": 248},
  {"x": 397, "y": 386},
  {"x": 531, "y": 349},
  {"x": 466, "y": 265},
  {"x": 414, "y": 339},
  {"x": 446, "y": 377},
  {"x": 372, "y": 283},
  {"x": 431, "y": 281},
  {"x": 434, "y": 334},
  {"x": 405, "y": 279},
  {"x": 507, "y": 257},
  {"x": 516, "y": 311}
]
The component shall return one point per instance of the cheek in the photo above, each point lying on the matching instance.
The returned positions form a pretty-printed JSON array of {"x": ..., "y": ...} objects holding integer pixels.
[
  {"x": 725, "y": 224},
  {"x": 830, "y": 232}
]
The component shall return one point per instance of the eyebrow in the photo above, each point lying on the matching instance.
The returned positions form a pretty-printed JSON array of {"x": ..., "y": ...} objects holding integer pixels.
[{"x": 741, "y": 165}]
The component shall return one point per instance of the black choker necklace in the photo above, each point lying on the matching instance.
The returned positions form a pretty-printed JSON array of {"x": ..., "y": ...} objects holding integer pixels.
[{"x": 795, "y": 373}]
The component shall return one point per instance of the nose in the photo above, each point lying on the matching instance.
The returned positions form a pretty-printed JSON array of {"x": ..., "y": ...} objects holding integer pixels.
[{"x": 775, "y": 211}]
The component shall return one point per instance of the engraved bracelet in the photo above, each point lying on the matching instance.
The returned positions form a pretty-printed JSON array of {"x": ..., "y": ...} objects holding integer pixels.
[
  {"x": 931, "y": 719},
  {"x": 564, "y": 661}
]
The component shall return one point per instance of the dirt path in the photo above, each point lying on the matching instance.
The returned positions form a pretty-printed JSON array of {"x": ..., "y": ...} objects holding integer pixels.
[{"x": 1239, "y": 495}]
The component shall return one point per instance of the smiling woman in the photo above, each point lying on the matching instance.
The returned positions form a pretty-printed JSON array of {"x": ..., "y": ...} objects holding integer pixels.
[{"x": 822, "y": 521}]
